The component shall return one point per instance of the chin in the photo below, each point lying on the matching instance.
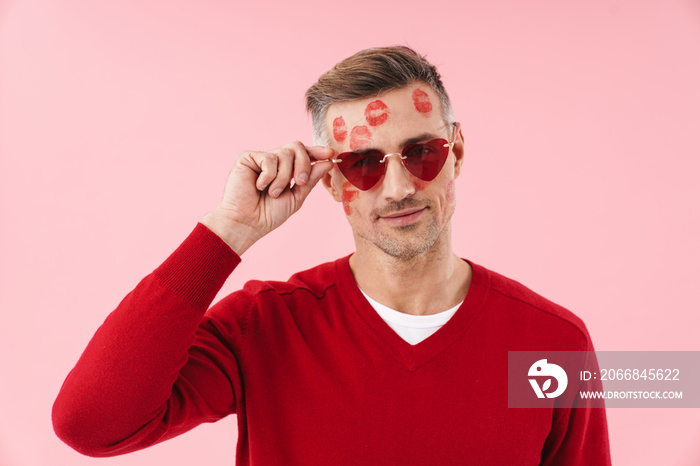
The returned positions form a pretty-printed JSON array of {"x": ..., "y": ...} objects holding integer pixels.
[{"x": 406, "y": 248}]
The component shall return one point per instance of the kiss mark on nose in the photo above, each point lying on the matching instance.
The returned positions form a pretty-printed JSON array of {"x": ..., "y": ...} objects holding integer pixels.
[{"x": 376, "y": 113}]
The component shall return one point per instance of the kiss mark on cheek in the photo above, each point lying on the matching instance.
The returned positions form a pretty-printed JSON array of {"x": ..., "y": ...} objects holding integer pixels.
[
  {"x": 340, "y": 131},
  {"x": 376, "y": 113},
  {"x": 350, "y": 193},
  {"x": 451, "y": 194},
  {"x": 421, "y": 101},
  {"x": 360, "y": 137}
]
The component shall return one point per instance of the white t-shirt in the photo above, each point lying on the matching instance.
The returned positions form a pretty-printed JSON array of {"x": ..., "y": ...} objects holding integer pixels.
[{"x": 413, "y": 329}]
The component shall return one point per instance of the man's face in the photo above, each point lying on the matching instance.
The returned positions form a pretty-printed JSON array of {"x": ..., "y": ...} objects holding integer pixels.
[{"x": 401, "y": 215}]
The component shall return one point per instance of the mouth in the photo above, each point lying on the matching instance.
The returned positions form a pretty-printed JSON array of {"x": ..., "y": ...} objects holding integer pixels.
[{"x": 403, "y": 217}]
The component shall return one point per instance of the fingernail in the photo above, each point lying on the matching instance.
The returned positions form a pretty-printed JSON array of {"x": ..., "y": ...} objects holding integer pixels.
[
  {"x": 262, "y": 188},
  {"x": 303, "y": 178},
  {"x": 276, "y": 192}
]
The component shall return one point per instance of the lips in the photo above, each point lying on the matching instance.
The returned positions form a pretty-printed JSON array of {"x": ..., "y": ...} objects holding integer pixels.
[
  {"x": 403, "y": 213},
  {"x": 403, "y": 218}
]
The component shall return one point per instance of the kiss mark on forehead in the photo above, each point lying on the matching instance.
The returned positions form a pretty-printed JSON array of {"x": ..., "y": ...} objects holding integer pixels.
[
  {"x": 349, "y": 195},
  {"x": 376, "y": 113},
  {"x": 360, "y": 137},
  {"x": 340, "y": 131},
  {"x": 421, "y": 101}
]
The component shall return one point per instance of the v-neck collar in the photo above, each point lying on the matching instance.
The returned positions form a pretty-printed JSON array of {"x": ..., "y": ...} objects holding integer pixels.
[{"x": 415, "y": 356}]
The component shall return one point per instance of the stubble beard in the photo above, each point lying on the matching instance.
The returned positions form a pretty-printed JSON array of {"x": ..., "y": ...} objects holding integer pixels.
[
  {"x": 407, "y": 242},
  {"x": 412, "y": 246}
]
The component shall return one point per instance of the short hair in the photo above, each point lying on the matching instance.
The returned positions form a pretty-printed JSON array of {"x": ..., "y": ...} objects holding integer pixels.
[{"x": 368, "y": 73}]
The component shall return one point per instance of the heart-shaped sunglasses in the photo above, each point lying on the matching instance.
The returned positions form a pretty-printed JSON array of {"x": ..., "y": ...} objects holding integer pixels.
[{"x": 424, "y": 160}]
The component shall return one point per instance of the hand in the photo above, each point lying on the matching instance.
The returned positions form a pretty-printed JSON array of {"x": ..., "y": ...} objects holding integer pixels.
[{"x": 259, "y": 197}]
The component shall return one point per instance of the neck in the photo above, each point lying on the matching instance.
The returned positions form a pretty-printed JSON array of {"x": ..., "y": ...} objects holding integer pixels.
[{"x": 428, "y": 283}]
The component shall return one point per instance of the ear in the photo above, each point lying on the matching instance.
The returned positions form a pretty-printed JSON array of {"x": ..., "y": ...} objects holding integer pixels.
[
  {"x": 327, "y": 181},
  {"x": 458, "y": 149}
]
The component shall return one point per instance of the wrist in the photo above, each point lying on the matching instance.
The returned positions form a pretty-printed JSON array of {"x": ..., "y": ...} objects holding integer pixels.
[{"x": 238, "y": 236}]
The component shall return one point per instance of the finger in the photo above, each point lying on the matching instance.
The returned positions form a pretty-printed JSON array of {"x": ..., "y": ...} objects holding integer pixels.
[
  {"x": 285, "y": 165},
  {"x": 267, "y": 167},
  {"x": 320, "y": 152},
  {"x": 302, "y": 162},
  {"x": 318, "y": 171}
]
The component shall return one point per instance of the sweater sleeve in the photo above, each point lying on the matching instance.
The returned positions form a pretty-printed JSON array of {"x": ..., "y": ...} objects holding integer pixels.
[{"x": 151, "y": 370}]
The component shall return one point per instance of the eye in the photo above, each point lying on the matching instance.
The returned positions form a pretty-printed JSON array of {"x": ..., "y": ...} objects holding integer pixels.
[
  {"x": 419, "y": 152},
  {"x": 364, "y": 161}
]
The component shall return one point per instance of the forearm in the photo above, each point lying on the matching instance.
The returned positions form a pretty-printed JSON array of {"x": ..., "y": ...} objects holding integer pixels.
[{"x": 118, "y": 396}]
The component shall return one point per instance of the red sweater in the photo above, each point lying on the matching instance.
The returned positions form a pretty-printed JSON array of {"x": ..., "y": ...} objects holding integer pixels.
[{"x": 315, "y": 376}]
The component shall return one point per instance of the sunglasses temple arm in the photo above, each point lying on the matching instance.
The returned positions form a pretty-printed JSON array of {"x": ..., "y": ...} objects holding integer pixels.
[{"x": 326, "y": 160}]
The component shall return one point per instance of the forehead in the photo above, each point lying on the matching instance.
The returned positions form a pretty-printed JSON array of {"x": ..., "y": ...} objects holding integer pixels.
[{"x": 399, "y": 113}]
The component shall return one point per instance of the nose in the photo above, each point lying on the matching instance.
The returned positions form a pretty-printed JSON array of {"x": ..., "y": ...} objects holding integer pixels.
[{"x": 397, "y": 184}]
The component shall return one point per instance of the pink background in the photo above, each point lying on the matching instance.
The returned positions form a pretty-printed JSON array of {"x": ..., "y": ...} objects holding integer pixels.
[{"x": 119, "y": 122}]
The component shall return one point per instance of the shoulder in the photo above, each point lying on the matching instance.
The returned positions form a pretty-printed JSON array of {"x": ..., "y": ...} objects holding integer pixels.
[
  {"x": 303, "y": 292},
  {"x": 532, "y": 313},
  {"x": 313, "y": 282}
]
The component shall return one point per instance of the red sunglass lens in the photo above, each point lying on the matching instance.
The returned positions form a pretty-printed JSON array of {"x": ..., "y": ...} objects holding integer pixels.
[
  {"x": 425, "y": 160},
  {"x": 362, "y": 170}
]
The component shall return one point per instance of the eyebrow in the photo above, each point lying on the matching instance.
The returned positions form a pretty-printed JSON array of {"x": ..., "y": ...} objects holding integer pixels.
[{"x": 405, "y": 142}]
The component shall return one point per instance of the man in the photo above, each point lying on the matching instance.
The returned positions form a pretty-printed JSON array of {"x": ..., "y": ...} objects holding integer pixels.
[{"x": 396, "y": 354}]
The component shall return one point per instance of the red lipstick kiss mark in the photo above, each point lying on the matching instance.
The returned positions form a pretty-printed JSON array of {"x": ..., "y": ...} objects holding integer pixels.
[
  {"x": 340, "y": 131},
  {"x": 349, "y": 195},
  {"x": 360, "y": 137},
  {"x": 376, "y": 113},
  {"x": 421, "y": 101},
  {"x": 451, "y": 194}
]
